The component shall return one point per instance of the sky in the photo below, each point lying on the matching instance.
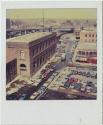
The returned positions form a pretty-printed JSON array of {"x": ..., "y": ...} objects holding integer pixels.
[{"x": 52, "y": 13}]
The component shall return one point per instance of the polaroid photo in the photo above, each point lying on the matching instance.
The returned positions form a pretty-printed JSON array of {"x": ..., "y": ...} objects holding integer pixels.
[{"x": 51, "y": 63}]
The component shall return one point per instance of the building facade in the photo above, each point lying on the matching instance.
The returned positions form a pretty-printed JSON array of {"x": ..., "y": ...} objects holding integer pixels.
[
  {"x": 85, "y": 54},
  {"x": 88, "y": 35},
  {"x": 77, "y": 33},
  {"x": 11, "y": 65},
  {"x": 32, "y": 51}
]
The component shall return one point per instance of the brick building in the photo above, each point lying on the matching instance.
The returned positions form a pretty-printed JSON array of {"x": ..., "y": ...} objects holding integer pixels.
[
  {"x": 32, "y": 51},
  {"x": 11, "y": 64}
]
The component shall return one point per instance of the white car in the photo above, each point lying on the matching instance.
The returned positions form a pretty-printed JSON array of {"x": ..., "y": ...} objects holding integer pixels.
[
  {"x": 71, "y": 87},
  {"x": 82, "y": 89},
  {"x": 12, "y": 90},
  {"x": 35, "y": 83},
  {"x": 34, "y": 95},
  {"x": 45, "y": 84}
]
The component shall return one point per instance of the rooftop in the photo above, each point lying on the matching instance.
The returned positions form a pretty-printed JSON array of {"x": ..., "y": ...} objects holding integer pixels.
[
  {"x": 10, "y": 54},
  {"x": 29, "y": 37},
  {"x": 89, "y": 30}
]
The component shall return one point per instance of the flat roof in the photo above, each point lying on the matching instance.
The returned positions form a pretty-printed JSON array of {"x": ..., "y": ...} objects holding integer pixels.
[
  {"x": 10, "y": 54},
  {"x": 29, "y": 37},
  {"x": 83, "y": 45},
  {"x": 89, "y": 30}
]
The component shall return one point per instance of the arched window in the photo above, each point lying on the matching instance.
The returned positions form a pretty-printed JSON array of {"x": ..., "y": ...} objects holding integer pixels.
[{"x": 22, "y": 67}]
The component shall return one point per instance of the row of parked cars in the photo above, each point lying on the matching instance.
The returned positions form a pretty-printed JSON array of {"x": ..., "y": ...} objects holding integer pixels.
[
  {"x": 83, "y": 73},
  {"x": 22, "y": 94},
  {"x": 74, "y": 83},
  {"x": 15, "y": 86},
  {"x": 46, "y": 75},
  {"x": 43, "y": 88}
]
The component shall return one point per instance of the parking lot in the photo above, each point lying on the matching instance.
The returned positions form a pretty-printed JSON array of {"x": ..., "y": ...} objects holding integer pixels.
[{"x": 58, "y": 79}]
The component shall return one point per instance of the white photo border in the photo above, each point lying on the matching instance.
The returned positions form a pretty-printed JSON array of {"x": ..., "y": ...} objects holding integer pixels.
[{"x": 69, "y": 112}]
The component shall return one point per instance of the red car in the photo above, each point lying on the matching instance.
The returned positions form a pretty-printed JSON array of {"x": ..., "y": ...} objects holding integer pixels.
[
  {"x": 72, "y": 80},
  {"x": 71, "y": 65}
]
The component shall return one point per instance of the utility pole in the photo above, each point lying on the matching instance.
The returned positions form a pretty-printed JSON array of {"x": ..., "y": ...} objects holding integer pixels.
[{"x": 43, "y": 18}]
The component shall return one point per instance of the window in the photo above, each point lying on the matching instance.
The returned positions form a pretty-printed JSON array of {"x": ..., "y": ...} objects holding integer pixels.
[
  {"x": 87, "y": 53},
  {"x": 79, "y": 52},
  {"x": 22, "y": 67},
  {"x": 34, "y": 64},
  {"x": 91, "y": 53},
  {"x": 33, "y": 52},
  {"x": 40, "y": 47},
  {"x": 95, "y": 53},
  {"x": 46, "y": 44},
  {"x": 22, "y": 54},
  {"x": 85, "y": 35},
  {"x": 93, "y": 35},
  {"x": 37, "y": 49},
  {"x": 83, "y": 53}
]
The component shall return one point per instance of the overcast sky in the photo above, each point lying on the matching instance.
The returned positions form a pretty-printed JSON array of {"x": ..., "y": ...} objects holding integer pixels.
[{"x": 52, "y": 13}]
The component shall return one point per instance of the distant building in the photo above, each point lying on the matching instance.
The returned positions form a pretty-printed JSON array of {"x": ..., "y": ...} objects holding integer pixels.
[
  {"x": 8, "y": 23},
  {"x": 11, "y": 64},
  {"x": 88, "y": 35},
  {"x": 77, "y": 33},
  {"x": 85, "y": 54},
  {"x": 32, "y": 50}
]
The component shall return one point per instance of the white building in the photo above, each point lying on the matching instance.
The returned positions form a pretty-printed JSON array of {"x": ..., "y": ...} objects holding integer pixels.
[{"x": 85, "y": 54}]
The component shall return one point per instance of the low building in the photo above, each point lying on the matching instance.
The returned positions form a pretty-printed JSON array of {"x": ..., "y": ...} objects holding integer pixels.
[
  {"x": 32, "y": 50},
  {"x": 88, "y": 35},
  {"x": 85, "y": 54},
  {"x": 11, "y": 65}
]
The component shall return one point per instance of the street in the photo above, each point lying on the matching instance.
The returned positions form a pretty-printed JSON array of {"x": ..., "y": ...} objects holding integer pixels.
[{"x": 55, "y": 84}]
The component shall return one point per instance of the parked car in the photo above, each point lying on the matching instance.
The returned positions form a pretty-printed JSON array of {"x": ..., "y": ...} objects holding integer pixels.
[
  {"x": 42, "y": 89},
  {"x": 45, "y": 84},
  {"x": 23, "y": 96},
  {"x": 77, "y": 86},
  {"x": 71, "y": 65},
  {"x": 71, "y": 86},
  {"x": 66, "y": 85},
  {"x": 34, "y": 95},
  {"x": 88, "y": 89},
  {"x": 63, "y": 57},
  {"x": 94, "y": 89},
  {"x": 82, "y": 89},
  {"x": 88, "y": 74}
]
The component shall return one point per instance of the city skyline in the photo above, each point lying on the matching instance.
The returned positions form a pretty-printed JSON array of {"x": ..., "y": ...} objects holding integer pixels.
[{"x": 52, "y": 13}]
